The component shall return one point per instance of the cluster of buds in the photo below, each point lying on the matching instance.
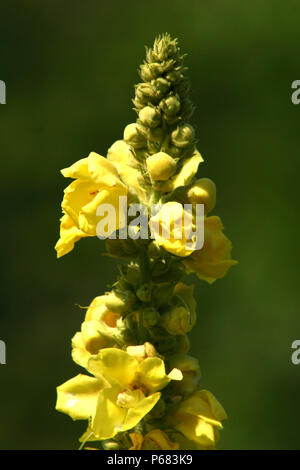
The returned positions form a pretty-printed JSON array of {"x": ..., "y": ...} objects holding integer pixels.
[{"x": 163, "y": 106}]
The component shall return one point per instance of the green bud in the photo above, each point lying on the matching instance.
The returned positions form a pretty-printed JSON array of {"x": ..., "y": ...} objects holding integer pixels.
[
  {"x": 164, "y": 48},
  {"x": 176, "y": 321},
  {"x": 119, "y": 301},
  {"x": 150, "y": 316},
  {"x": 159, "y": 267},
  {"x": 185, "y": 363},
  {"x": 132, "y": 273},
  {"x": 161, "y": 86},
  {"x": 175, "y": 152},
  {"x": 149, "y": 116},
  {"x": 145, "y": 73},
  {"x": 183, "y": 136},
  {"x": 144, "y": 293},
  {"x": 144, "y": 92},
  {"x": 174, "y": 76},
  {"x": 170, "y": 106},
  {"x": 133, "y": 136}
]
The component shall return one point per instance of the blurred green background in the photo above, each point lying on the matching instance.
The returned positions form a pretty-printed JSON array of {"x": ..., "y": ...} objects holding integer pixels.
[{"x": 69, "y": 68}]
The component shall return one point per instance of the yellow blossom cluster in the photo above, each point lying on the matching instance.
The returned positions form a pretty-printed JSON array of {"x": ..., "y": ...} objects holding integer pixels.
[{"x": 141, "y": 390}]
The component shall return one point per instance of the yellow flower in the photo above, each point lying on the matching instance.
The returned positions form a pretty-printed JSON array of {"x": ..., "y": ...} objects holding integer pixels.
[
  {"x": 96, "y": 182},
  {"x": 123, "y": 391},
  {"x": 214, "y": 259},
  {"x": 122, "y": 157},
  {"x": 99, "y": 330},
  {"x": 199, "y": 417},
  {"x": 153, "y": 440},
  {"x": 170, "y": 226}
]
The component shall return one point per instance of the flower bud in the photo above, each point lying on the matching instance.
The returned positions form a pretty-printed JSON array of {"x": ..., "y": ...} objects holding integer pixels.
[
  {"x": 170, "y": 106},
  {"x": 149, "y": 116},
  {"x": 183, "y": 136},
  {"x": 185, "y": 363},
  {"x": 144, "y": 293},
  {"x": 133, "y": 136},
  {"x": 144, "y": 92},
  {"x": 161, "y": 166},
  {"x": 158, "y": 267},
  {"x": 175, "y": 152},
  {"x": 150, "y": 316},
  {"x": 177, "y": 321},
  {"x": 132, "y": 273},
  {"x": 161, "y": 86},
  {"x": 145, "y": 73},
  {"x": 203, "y": 191},
  {"x": 174, "y": 76},
  {"x": 119, "y": 301}
]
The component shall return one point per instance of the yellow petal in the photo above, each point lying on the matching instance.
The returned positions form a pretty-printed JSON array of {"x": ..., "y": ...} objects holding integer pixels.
[
  {"x": 78, "y": 396},
  {"x": 69, "y": 235},
  {"x": 79, "y": 169},
  {"x": 196, "y": 430},
  {"x": 92, "y": 337},
  {"x": 134, "y": 415},
  {"x": 80, "y": 354},
  {"x": 108, "y": 418},
  {"x": 78, "y": 194},
  {"x": 102, "y": 171},
  {"x": 115, "y": 365},
  {"x": 122, "y": 157},
  {"x": 188, "y": 170},
  {"x": 152, "y": 374},
  {"x": 88, "y": 218}
]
